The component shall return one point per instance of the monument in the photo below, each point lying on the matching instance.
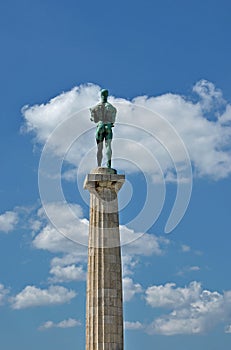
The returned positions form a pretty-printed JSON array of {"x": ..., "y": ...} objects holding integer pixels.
[
  {"x": 104, "y": 115},
  {"x": 104, "y": 306}
]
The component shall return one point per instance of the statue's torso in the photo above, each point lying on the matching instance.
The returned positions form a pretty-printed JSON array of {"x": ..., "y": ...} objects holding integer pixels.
[{"x": 104, "y": 113}]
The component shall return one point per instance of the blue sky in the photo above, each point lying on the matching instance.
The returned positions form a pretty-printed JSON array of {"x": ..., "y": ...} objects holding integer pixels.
[{"x": 163, "y": 62}]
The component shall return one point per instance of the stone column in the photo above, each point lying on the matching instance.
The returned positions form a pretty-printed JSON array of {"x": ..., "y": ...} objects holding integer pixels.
[{"x": 104, "y": 309}]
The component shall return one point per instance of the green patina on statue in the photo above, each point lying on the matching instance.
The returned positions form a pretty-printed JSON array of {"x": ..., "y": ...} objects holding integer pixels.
[{"x": 104, "y": 115}]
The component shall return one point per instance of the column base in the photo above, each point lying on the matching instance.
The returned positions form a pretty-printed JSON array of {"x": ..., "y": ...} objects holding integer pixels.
[{"x": 103, "y": 170}]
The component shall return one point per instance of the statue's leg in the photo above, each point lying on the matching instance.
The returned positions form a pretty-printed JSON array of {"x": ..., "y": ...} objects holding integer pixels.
[
  {"x": 108, "y": 139},
  {"x": 108, "y": 152},
  {"x": 99, "y": 141},
  {"x": 99, "y": 152}
]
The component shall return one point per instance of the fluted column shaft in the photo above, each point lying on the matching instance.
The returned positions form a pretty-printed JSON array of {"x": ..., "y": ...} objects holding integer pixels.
[{"x": 104, "y": 309}]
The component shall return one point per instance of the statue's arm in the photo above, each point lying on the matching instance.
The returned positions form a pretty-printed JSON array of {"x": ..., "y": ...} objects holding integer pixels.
[
  {"x": 114, "y": 111},
  {"x": 92, "y": 117}
]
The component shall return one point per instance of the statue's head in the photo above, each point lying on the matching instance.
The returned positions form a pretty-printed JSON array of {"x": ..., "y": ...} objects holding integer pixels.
[{"x": 104, "y": 95}]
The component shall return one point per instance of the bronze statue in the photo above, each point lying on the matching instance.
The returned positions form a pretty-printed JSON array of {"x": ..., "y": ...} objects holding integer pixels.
[{"x": 104, "y": 115}]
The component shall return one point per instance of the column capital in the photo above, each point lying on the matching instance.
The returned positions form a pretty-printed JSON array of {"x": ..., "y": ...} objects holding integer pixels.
[{"x": 104, "y": 178}]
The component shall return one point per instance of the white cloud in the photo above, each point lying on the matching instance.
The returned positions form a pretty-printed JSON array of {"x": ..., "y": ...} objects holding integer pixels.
[
  {"x": 175, "y": 325},
  {"x": 70, "y": 175},
  {"x": 133, "y": 325},
  {"x": 67, "y": 273},
  {"x": 64, "y": 268},
  {"x": 193, "y": 310},
  {"x": 208, "y": 141},
  {"x": 35, "y": 226},
  {"x": 51, "y": 239},
  {"x": 69, "y": 323},
  {"x": 130, "y": 289},
  {"x": 145, "y": 244},
  {"x": 194, "y": 268},
  {"x": 142, "y": 244},
  {"x": 8, "y": 221},
  {"x": 128, "y": 264},
  {"x": 76, "y": 228},
  {"x": 42, "y": 119},
  {"x": 69, "y": 259},
  {"x": 225, "y": 118},
  {"x": 168, "y": 296},
  {"x": 71, "y": 266},
  {"x": 210, "y": 96},
  {"x": 185, "y": 248},
  {"x": 32, "y": 296},
  {"x": 3, "y": 292},
  {"x": 187, "y": 269}
]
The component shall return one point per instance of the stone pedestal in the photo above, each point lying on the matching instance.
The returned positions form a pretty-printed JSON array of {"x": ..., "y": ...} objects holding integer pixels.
[{"x": 104, "y": 310}]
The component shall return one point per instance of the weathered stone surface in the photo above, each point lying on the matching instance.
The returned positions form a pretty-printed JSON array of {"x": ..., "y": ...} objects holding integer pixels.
[{"x": 104, "y": 310}]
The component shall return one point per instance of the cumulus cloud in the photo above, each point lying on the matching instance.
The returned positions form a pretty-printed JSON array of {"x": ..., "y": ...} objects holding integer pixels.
[
  {"x": 210, "y": 96},
  {"x": 8, "y": 221},
  {"x": 145, "y": 244},
  {"x": 225, "y": 118},
  {"x": 193, "y": 309},
  {"x": 168, "y": 296},
  {"x": 71, "y": 230},
  {"x": 69, "y": 323},
  {"x": 76, "y": 227},
  {"x": 206, "y": 138},
  {"x": 67, "y": 273},
  {"x": 188, "y": 269},
  {"x": 72, "y": 264},
  {"x": 130, "y": 289},
  {"x": 185, "y": 248},
  {"x": 32, "y": 296},
  {"x": 134, "y": 326},
  {"x": 64, "y": 268},
  {"x": 42, "y": 119},
  {"x": 194, "y": 268},
  {"x": 142, "y": 243},
  {"x": 3, "y": 292},
  {"x": 129, "y": 263}
]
